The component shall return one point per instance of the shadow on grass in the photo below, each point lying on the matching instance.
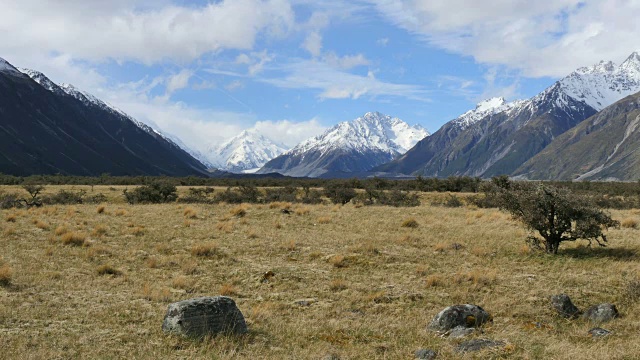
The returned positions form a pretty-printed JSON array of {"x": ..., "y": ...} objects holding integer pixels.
[{"x": 622, "y": 254}]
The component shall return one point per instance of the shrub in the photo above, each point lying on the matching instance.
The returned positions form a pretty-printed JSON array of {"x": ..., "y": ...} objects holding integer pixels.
[
  {"x": 338, "y": 193},
  {"x": 311, "y": 196},
  {"x": 555, "y": 214},
  {"x": 8, "y": 201},
  {"x": 198, "y": 195},
  {"x": 284, "y": 194},
  {"x": 399, "y": 198},
  {"x": 64, "y": 197},
  {"x": 155, "y": 193}
]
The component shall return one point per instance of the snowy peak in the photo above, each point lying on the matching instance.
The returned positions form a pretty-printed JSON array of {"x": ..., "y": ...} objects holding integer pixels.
[
  {"x": 603, "y": 84},
  {"x": 7, "y": 68},
  {"x": 41, "y": 79},
  {"x": 373, "y": 131},
  {"x": 483, "y": 109},
  {"x": 245, "y": 152}
]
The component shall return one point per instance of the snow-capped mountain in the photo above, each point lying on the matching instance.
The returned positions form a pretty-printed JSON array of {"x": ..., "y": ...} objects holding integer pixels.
[
  {"x": 604, "y": 83},
  {"x": 50, "y": 129},
  {"x": 497, "y": 137},
  {"x": 246, "y": 152},
  {"x": 483, "y": 109},
  {"x": 89, "y": 99},
  {"x": 351, "y": 146}
]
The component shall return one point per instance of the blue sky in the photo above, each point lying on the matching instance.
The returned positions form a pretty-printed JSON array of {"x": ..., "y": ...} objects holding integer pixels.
[{"x": 206, "y": 70}]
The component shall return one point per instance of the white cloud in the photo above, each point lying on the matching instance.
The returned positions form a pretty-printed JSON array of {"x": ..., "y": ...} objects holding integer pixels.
[
  {"x": 337, "y": 84},
  {"x": 288, "y": 132},
  {"x": 313, "y": 43},
  {"x": 345, "y": 62},
  {"x": 383, "y": 41},
  {"x": 143, "y": 31},
  {"x": 178, "y": 81},
  {"x": 540, "y": 38},
  {"x": 234, "y": 85}
]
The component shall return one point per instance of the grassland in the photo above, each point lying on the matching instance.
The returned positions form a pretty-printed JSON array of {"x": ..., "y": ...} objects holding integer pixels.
[{"x": 94, "y": 281}]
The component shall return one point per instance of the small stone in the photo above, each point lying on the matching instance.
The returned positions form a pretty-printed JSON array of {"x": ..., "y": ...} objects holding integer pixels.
[
  {"x": 425, "y": 354},
  {"x": 459, "y": 315},
  {"x": 563, "y": 305},
  {"x": 601, "y": 313},
  {"x": 305, "y": 302},
  {"x": 478, "y": 344},
  {"x": 460, "y": 332},
  {"x": 599, "y": 332},
  {"x": 204, "y": 316}
]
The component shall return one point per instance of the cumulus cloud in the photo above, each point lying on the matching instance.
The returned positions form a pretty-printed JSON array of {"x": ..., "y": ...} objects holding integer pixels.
[
  {"x": 540, "y": 38},
  {"x": 143, "y": 31}
]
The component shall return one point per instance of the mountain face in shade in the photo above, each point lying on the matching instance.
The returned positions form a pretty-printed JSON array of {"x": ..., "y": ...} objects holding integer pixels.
[
  {"x": 497, "y": 138},
  {"x": 247, "y": 152},
  {"x": 603, "y": 147},
  {"x": 47, "y": 128},
  {"x": 349, "y": 147}
]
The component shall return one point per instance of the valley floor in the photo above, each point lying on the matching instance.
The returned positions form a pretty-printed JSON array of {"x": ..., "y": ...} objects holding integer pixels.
[{"x": 373, "y": 285}]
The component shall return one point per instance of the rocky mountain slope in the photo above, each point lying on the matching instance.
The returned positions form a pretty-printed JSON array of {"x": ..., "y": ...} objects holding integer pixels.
[
  {"x": 501, "y": 140},
  {"x": 47, "y": 128},
  {"x": 603, "y": 147},
  {"x": 247, "y": 152},
  {"x": 349, "y": 147}
]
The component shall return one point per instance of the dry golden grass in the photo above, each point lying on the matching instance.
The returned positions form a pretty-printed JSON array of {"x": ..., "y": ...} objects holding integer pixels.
[
  {"x": 73, "y": 239},
  {"x": 629, "y": 223},
  {"x": 324, "y": 220},
  {"x": 375, "y": 285},
  {"x": 100, "y": 209},
  {"x": 138, "y": 230},
  {"x": 205, "y": 250},
  {"x": 121, "y": 212},
  {"x": 302, "y": 210},
  {"x": 240, "y": 210},
  {"x": 107, "y": 269},
  {"x": 42, "y": 225},
  {"x": 190, "y": 213},
  {"x": 6, "y": 275},
  {"x": 62, "y": 229},
  {"x": 11, "y": 218},
  {"x": 100, "y": 230},
  {"x": 410, "y": 223}
]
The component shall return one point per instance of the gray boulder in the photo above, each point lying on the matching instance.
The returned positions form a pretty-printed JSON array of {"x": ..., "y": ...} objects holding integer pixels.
[
  {"x": 563, "y": 305},
  {"x": 200, "y": 317},
  {"x": 601, "y": 313},
  {"x": 425, "y": 354},
  {"x": 459, "y": 315},
  {"x": 478, "y": 344}
]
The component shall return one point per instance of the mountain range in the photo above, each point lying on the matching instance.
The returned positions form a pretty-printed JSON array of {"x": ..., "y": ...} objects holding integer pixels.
[
  {"x": 47, "y": 128},
  {"x": 498, "y": 138},
  {"x": 349, "y": 147},
  {"x": 244, "y": 153},
  {"x": 582, "y": 127}
]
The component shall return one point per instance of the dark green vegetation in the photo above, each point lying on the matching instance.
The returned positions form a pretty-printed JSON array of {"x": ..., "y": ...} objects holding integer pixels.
[{"x": 555, "y": 214}]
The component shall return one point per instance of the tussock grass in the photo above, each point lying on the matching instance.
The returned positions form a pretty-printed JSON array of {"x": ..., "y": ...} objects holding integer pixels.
[
  {"x": 73, "y": 239},
  {"x": 6, "y": 275},
  {"x": 100, "y": 209},
  {"x": 190, "y": 213},
  {"x": 205, "y": 250},
  {"x": 410, "y": 223},
  {"x": 42, "y": 225},
  {"x": 11, "y": 218},
  {"x": 324, "y": 220},
  {"x": 239, "y": 211},
  {"x": 375, "y": 284},
  {"x": 107, "y": 269},
  {"x": 629, "y": 223}
]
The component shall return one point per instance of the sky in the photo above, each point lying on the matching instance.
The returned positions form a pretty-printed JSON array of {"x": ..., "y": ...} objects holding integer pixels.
[{"x": 206, "y": 70}]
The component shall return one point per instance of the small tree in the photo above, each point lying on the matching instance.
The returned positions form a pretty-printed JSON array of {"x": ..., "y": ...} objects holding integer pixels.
[{"x": 555, "y": 214}]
